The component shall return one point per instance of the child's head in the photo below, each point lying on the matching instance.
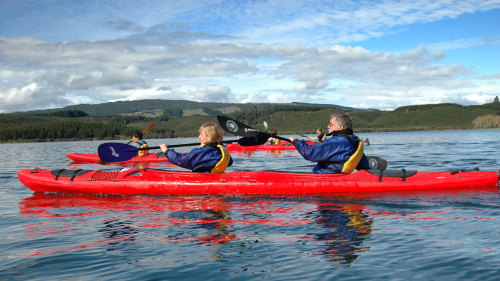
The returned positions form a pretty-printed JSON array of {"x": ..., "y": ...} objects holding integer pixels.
[
  {"x": 210, "y": 133},
  {"x": 137, "y": 136}
]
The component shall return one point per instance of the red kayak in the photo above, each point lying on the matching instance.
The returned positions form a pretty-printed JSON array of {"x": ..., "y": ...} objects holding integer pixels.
[
  {"x": 128, "y": 181},
  {"x": 94, "y": 158}
]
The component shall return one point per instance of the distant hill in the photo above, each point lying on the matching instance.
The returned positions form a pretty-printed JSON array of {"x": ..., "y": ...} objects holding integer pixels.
[
  {"x": 407, "y": 118},
  {"x": 118, "y": 120},
  {"x": 157, "y": 108}
]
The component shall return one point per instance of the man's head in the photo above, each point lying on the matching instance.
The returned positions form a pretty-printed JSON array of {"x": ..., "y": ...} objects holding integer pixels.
[{"x": 339, "y": 121}]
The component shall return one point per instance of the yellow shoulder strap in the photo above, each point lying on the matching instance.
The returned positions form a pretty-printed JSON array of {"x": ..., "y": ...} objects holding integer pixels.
[
  {"x": 221, "y": 166},
  {"x": 353, "y": 161}
]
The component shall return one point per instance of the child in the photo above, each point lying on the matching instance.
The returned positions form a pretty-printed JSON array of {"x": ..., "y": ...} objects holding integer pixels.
[
  {"x": 138, "y": 142},
  {"x": 272, "y": 139},
  {"x": 211, "y": 157},
  {"x": 320, "y": 136}
]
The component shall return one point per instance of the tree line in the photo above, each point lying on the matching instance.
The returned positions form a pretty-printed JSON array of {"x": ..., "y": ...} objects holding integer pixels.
[
  {"x": 287, "y": 119},
  {"x": 63, "y": 130}
]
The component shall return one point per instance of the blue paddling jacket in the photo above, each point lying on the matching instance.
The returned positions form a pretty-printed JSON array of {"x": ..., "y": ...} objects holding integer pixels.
[
  {"x": 204, "y": 159},
  {"x": 332, "y": 154}
]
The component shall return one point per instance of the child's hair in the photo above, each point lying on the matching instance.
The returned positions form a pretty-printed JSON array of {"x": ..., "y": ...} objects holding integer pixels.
[
  {"x": 213, "y": 132},
  {"x": 138, "y": 135}
]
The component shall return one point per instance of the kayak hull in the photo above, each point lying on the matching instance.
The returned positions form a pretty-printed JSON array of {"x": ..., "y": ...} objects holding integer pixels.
[
  {"x": 129, "y": 181},
  {"x": 94, "y": 158}
]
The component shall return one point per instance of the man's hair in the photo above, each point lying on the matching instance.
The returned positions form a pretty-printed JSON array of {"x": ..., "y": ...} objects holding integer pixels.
[
  {"x": 342, "y": 118},
  {"x": 213, "y": 131},
  {"x": 138, "y": 135}
]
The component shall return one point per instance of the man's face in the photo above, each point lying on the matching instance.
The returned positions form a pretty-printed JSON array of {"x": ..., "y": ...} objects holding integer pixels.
[{"x": 333, "y": 126}]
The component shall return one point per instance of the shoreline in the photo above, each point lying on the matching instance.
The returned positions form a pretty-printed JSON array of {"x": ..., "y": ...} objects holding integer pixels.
[{"x": 360, "y": 131}]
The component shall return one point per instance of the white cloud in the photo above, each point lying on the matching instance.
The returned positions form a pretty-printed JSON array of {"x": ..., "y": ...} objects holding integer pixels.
[
  {"x": 116, "y": 68},
  {"x": 479, "y": 98},
  {"x": 271, "y": 53}
]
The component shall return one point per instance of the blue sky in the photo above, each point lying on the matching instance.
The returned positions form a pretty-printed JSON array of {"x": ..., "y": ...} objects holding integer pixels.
[{"x": 365, "y": 54}]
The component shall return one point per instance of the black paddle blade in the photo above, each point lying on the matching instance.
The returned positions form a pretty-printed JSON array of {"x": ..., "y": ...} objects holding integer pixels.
[
  {"x": 258, "y": 139},
  {"x": 112, "y": 152},
  {"x": 236, "y": 128},
  {"x": 377, "y": 163}
]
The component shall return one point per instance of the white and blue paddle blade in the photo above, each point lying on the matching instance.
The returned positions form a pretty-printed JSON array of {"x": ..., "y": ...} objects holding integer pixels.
[
  {"x": 112, "y": 152},
  {"x": 236, "y": 128}
]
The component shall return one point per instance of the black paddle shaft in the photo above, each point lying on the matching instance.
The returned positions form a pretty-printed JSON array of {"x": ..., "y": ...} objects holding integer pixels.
[{"x": 246, "y": 141}]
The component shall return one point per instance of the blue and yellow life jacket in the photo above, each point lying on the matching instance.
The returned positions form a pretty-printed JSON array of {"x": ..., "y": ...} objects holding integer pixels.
[
  {"x": 142, "y": 144},
  {"x": 353, "y": 161},
  {"x": 223, "y": 163},
  {"x": 335, "y": 155}
]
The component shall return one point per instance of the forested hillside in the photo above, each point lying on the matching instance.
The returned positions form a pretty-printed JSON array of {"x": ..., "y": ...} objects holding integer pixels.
[
  {"x": 74, "y": 123},
  {"x": 412, "y": 118}
]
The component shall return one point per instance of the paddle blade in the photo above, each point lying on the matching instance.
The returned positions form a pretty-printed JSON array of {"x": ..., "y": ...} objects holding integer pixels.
[
  {"x": 258, "y": 139},
  {"x": 116, "y": 152},
  {"x": 148, "y": 128},
  {"x": 377, "y": 163},
  {"x": 236, "y": 128}
]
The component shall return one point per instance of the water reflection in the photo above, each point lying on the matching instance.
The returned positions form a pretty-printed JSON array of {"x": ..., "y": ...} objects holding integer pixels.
[
  {"x": 219, "y": 226},
  {"x": 346, "y": 227},
  {"x": 123, "y": 223},
  {"x": 334, "y": 226},
  {"x": 119, "y": 234}
]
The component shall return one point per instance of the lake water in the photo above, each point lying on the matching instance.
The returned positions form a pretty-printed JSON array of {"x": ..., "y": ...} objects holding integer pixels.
[{"x": 388, "y": 236}]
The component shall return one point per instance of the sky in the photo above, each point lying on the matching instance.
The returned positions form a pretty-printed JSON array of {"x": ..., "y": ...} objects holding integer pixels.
[{"x": 379, "y": 54}]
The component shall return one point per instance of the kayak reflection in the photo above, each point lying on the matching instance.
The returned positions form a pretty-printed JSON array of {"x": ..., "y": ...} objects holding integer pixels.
[
  {"x": 131, "y": 223},
  {"x": 125, "y": 221}
]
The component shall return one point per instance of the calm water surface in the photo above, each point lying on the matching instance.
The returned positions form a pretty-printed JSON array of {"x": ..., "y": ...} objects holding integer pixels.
[{"x": 450, "y": 235}]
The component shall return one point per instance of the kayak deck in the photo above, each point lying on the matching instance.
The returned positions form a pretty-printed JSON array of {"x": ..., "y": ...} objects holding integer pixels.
[{"x": 129, "y": 181}]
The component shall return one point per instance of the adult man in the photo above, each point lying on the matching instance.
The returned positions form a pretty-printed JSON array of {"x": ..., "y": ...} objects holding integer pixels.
[{"x": 341, "y": 153}]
